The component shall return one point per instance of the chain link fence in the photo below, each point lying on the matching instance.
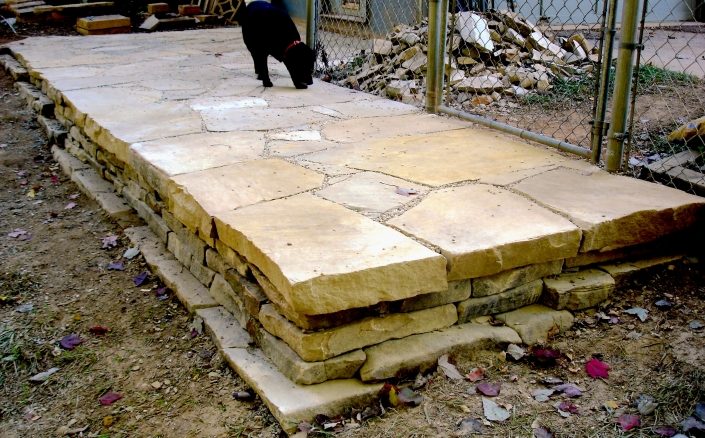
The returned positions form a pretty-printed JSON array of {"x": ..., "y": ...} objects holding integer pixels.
[
  {"x": 667, "y": 141},
  {"x": 374, "y": 46}
]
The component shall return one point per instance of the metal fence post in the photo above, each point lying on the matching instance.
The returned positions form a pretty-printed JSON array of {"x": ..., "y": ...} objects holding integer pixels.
[
  {"x": 435, "y": 56},
  {"x": 598, "y": 124},
  {"x": 311, "y": 7},
  {"x": 622, "y": 86}
]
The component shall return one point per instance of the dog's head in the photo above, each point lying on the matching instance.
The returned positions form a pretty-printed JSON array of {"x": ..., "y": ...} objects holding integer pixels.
[{"x": 299, "y": 60}]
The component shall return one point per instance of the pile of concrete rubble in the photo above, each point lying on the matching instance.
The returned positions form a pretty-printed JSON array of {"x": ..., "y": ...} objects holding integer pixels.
[{"x": 491, "y": 55}]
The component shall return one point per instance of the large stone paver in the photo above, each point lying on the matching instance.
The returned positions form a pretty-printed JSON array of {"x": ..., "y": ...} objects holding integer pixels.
[
  {"x": 195, "y": 197},
  {"x": 614, "y": 211},
  {"x": 483, "y": 230},
  {"x": 324, "y": 258},
  {"x": 450, "y": 156}
]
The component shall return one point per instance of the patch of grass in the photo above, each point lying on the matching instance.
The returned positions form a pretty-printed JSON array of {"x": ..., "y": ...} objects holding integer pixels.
[
  {"x": 651, "y": 76},
  {"x": 678, "y": 394},
  {"x": 84, "y": 356},
  {"x": 17, "y": 283}
]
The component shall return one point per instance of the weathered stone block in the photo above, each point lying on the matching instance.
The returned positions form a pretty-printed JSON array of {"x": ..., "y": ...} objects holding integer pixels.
[
  {"x": 624, "y": 270},
  {"x": 116, "y": 208},
  {"x": 325, "y": 344},
  {"x": 251, "y": 293},
  {"x": 456, "y": 292},
  {"x": 306, "y": 373},
  {"x": 419, "y": 353},
  {"x": 494, "y": 284},
  {"x": 536, "y": 323},
  {"x": 224, "y": 329},
  {"x": 502, "y": 302},
  {"x": 232, "y": 258},
  {"x": 221, "y": 292},
  {"x": 579, "y": 290},
  {"x": 90, "y": 183},
  {"x": 158, "y": 8},
  {"x": 153, "y": 220},
  {"x": 177, "y": 247},
  {"x": 215, "y": 261},
  {"x": 202, "y": 273},
  {"x": 189, "y": 242},
  {"x": 69, "y": 164},
  {"x": 101, "y": 22}
]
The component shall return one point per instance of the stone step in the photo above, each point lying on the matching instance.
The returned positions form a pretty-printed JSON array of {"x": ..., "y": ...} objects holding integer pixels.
[
  {"x": 578, "y": 290},
  {"x": 35, "y": 99},
  {"x": 14, "y": 68},
  {"x": 536, "y": 324}
]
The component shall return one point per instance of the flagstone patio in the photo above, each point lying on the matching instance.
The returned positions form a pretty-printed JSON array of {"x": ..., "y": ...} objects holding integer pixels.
[{"x": 332, "y": 225}]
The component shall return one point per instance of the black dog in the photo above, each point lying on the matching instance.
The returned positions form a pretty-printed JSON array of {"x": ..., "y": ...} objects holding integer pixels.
[{"x": 268, "y": 30}]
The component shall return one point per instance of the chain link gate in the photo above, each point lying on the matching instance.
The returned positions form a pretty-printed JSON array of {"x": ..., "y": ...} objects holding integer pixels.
[{"x": 667, "y": 122}]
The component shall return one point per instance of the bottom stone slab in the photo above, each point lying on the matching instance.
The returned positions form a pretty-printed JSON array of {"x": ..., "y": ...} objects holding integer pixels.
[
  {"x": 291, "y": 403},
  {"x": 536, "y": 323}
]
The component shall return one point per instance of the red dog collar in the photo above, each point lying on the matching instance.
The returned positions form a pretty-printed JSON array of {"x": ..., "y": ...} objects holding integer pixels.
[{"x": 290, "y": 46}]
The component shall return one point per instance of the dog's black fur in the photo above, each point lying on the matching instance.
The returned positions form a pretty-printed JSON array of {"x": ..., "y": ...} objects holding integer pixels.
[{"x": 268, "y": 30}]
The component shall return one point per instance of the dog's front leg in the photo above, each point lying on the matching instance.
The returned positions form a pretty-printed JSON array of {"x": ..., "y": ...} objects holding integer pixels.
[{"x": 261, "y": 69}]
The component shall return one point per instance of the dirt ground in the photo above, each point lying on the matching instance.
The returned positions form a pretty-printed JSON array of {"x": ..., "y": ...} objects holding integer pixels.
[{"x": 55, "y": 281}]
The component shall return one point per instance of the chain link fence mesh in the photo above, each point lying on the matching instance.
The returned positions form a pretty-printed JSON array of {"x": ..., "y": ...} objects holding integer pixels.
[
  {"x": 531, "y": 64},
  {"x": 667, "y": 132},
  {"x": 374, "y": 46}
]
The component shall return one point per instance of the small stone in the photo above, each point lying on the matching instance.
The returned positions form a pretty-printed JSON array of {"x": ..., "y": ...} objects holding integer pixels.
[
  {"x": 213, "y": 375},
  {"x": 696, "y": 325},
  {"x": 646, "y": 404},
  {"x": 156, "y": 385}
]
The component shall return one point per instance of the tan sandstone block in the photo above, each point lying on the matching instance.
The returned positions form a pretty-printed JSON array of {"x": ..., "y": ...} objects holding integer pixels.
[
  {"x": 419, "y": 353},
  {"x": 323, "y": 258},
  {"x": 511, "y": 299},
  {"x": 578, "y": 290},
  {"x": 536, "y": 322},
  {"x": 325, "y": 344},
  {"x": 624, "y": 270},
  {"x": 483, "y": 230},
  {"x": 250, "y": 293},
  {"x": 194, "y": 199},
  {"x": 494, "y": 284},
  {"x": 635, "y": 211},
  {"x": 291, "y": 403},
  {"x": 299, "y": 371},
  {"x": 224, "y": 329},
  {"x": 223, "y": 293}
]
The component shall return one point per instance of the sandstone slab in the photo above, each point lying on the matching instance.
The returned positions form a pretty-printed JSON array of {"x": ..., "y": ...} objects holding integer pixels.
[
  {"x": 158, "y": 160},
  {"x": 371, "y": 193},
  {"x": 635, "y": 212},
  {"x": 623, "y": 270},
  {"x": 223, "y": 293},
  {"x": 324, "y": 344},
  {"x": 323, "y": 258},
  {"x": 451, "y": 155},
  {"x": 483, "y": 230},
  {"x": 578, "y": 290},
  {"x": 419, "y": 353},
  {"x": 193, "y": 200},
  {"x": 536, "y": 323},
  {"x": 291, "y": 403},
  {"x": 224, "y": 329},
  {"x": 301, "y": 372},
  {"x": 494, "y": 284},
  {"x": 511, "y": 299}
]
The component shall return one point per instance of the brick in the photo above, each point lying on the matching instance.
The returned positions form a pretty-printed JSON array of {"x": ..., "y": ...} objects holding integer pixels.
[
  {"x": 189, "y": 10},
  {"x": 103, "y": 22},
  {"x": 158, "y": 8}
]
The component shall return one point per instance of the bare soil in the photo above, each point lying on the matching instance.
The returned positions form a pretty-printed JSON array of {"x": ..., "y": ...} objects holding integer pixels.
[{"x": 174, "y": 384}]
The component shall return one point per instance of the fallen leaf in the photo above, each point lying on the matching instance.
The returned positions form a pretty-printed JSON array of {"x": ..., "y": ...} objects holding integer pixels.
[
  {"x": 696, "y": 325},
  {"x": 43, "y": 376},
  {"x": 99, "y": 330},
  {"x": 70, "y": 205},
  {"x": 388, "y": 395},
  {"x": 569, "y": 390},
  {"x": 476, "y": 374},
  {"x": 550, "y": 380},
  {"x": 140, "y": 278},
  {"x": 448, "y": 368},
  {"x": 542, "y": 395},
  {"x": 17, "y": 232},
  {"x": 108, "y": 420},
  {"x": 109, "y": 241},
  {"x": 131, "y": 253},
  {"x": 31, "y": 194},
  {"x": 595, "y": 368},
  {"x": 469, "y": 426},
  {"x": 54, "y": 180},
  {"x": 69, "y": 342},
  {"x": 161, "y": 293},
  {"x": 494, "y": 412},
  {"x": 700, "y": 411},
  {"x": 568, "y": 406},
  {"x": 542, "y": 432},
  {"x": 610, "y": 405},
  {"x": 663, "y": 304},
  {"x": 488, "y": 389},
  {"x": 406, "y": 192},
  {"x": 116, "y": 266},
  {"x": 109, "y": 398},
  {"x": 692, "y": 424},
  {"x": 639, "y": 312},
  {"x": 545, "y": 356},
  {"x": 516, "y": 352},
  {"x": 409, "y": 398},
  {"x": 628, "y": 421},
  {"x": 666, "y": 431}
]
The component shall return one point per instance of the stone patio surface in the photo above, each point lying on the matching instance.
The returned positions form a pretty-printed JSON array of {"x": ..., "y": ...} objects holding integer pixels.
[{"x": 336, "y": 199}]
